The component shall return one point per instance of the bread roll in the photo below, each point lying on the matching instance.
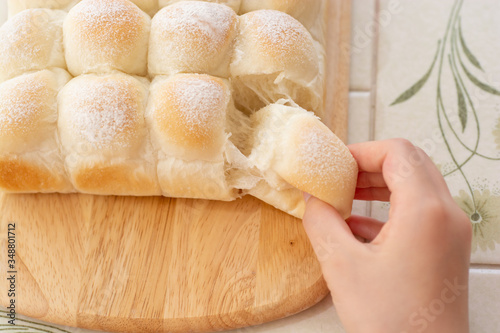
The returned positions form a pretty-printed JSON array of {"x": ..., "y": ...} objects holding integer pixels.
[
  {"x": 192, "y": 37},
  {"x": 275, "y": 57},
  {"x": 189, "y": 124},
  {"x": 306, "y": 12},
  {"x": 295, "y": 151},
  {"x": 30, "y": 158},
  {"x": 17, "y": 6},
  {"x": 234, "y": 4},
  {"x": 31, "y": 40},
  {"x": 104, "y": 136},
  {"x": 101, "y": 36}
]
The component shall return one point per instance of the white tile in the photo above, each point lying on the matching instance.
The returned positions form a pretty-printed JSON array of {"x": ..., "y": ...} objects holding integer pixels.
[
  {"x": 380, "y": 210},
  {"x": 484, "y": 300},
  {"x": 407, "y": 47},
  {"x": 362, "y": 41},
  {"x": 359, "y": 117}
]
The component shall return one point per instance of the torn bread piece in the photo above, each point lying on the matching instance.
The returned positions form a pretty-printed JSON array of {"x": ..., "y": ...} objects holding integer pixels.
[
  {"x": 294, "y": 153},
  {"x": 276, "y": 58}
]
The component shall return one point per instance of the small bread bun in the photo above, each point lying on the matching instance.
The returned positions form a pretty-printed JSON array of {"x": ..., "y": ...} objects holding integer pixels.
[
  {"x": 102, "y": 36},
  {"x": 234, "y": 4},
  {"x": 31, "y": 40},
  {"x": 306, "y": 12},
  {"x": 192, "y": 37},
  {"x": 187, "y": 117},
  {"x": 17, "y": 6},
  {"x": 275, "y": 57},
  {"x": 104, "y": 137},
  {"x": 30, "y": 159},
  {"x": 295, "y": 151}
]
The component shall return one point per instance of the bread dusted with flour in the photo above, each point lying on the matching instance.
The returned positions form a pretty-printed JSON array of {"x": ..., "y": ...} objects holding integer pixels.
[
  {"x": 306, "y": 12},
  {"x": 102, "y": 36},
  {"x": 275, "y": 57},
  {"x": 17, "y": 6},
  {"x": 30, "y": 157},
  {"x": 294, "y": 152},
  {"x": 192, "y": 37},
  {"x": 197, "y": 102},
  {"x": 104, "y": 137},
  {"x": 32, "y": 40}
]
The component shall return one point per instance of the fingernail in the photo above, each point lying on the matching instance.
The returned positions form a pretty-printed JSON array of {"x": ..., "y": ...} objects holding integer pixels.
[{"x": 306, "y": 195}]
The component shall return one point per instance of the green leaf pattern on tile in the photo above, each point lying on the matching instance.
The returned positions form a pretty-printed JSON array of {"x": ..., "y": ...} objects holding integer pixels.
[
  {"x": 482, "y": 207},
  {"x": 467, "y": 52},
  {"x": 462, "y": 107},
  {"x": 418, "y": 85}
]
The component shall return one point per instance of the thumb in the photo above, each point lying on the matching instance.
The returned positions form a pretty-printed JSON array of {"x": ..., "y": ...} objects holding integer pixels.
[{"x": 328, "y": 232}]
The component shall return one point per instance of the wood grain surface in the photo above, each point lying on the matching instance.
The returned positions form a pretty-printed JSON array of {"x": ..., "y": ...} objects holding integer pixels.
[{"x": 129, "y": 264}]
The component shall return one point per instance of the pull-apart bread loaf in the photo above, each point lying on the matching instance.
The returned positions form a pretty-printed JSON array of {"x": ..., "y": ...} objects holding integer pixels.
[{"x": 175, "y": 98}]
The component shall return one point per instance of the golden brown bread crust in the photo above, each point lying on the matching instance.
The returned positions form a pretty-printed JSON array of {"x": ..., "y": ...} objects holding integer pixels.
[
  {"x": 107, "y": 178},
  {"x": 189, "y": 114},
  {"x": 24, "y": 176}
]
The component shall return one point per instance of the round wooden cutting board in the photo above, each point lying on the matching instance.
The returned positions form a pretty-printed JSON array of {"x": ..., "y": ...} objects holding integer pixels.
[{"x": 156, "y": 264}]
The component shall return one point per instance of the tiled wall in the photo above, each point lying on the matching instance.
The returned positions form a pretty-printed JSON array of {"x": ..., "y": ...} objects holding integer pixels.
[{"x": 393, "y": 46}]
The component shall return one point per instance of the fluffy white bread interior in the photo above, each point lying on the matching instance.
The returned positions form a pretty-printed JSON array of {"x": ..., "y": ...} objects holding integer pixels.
[
  {"x": 17, "y": 6},
  {"x": 104, "y": 136},
  {"x": 275, "y": 57},
  {"x": 306, "y": 12},
  {"x": 190, "y": 125},
  {"x": 101, "y": 36},
  {"x": 31, "y": 40},
  {"x": 295, "y": 151},
  {"x": 234, "y": 4},
  {"x": 30, "y": 158},
  {"x": 192, "y": 37}
]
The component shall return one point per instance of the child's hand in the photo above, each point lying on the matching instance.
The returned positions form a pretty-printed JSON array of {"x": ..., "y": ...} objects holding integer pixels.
[{"x": 413, "y": 275}]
